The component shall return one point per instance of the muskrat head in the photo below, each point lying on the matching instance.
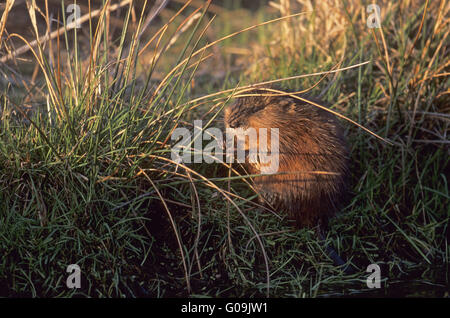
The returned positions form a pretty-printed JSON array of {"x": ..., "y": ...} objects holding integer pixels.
[
  {"x": 252, "y": 120},
  {"x": 240, "y": 113},
  {"x": 261, "y": 110}
]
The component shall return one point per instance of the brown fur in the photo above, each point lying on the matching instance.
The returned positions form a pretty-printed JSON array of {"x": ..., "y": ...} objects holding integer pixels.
[{"x": 311, "y": 139}]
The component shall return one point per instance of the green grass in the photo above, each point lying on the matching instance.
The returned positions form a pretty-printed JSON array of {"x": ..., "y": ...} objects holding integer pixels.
[{"x": 86, "y": 179}]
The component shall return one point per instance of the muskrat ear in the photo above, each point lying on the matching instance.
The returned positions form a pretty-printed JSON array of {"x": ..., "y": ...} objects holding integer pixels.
[
  {"x": 287, "y": 106},
  {"x": 292, "y": 108}
]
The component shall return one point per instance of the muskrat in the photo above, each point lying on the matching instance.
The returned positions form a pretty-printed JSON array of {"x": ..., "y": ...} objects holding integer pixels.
[{"x": 313, "y": 156}]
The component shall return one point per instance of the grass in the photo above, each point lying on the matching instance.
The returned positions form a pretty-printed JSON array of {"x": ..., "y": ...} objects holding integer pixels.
[{"x": 86, "y": 176}]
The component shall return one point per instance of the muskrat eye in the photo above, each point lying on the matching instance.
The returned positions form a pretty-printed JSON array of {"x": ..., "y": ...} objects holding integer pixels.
[{"x": 235, "y": 124}]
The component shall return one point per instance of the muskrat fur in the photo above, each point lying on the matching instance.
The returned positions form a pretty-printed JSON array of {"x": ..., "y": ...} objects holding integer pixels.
[{"x": 313, "y": 155}]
